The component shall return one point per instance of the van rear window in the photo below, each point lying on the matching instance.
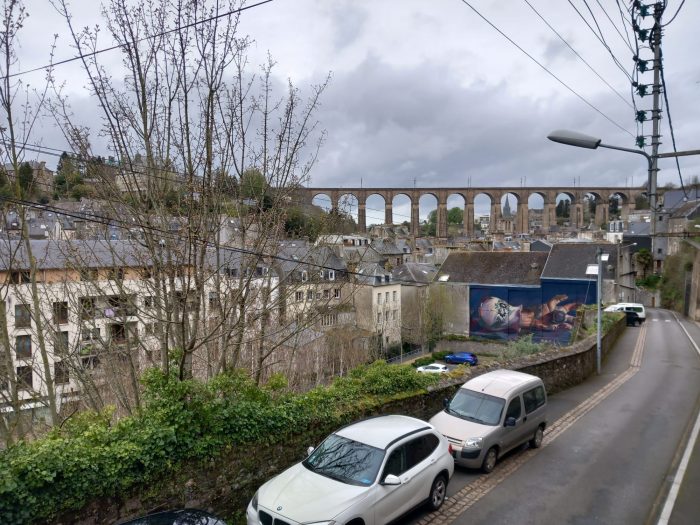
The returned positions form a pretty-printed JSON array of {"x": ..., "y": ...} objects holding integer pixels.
[{"x": 533, "y": 399}]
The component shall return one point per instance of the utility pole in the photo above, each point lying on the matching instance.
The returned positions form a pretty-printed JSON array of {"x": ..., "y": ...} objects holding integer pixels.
[{"x": 656, "y": 118}]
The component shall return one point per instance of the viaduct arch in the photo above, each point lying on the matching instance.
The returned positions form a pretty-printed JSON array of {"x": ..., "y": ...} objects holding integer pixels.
[{"x": 602, "y": 194}]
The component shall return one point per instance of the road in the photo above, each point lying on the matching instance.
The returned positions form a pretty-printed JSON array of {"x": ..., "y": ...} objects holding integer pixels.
[{"x": 612, "y": 448}]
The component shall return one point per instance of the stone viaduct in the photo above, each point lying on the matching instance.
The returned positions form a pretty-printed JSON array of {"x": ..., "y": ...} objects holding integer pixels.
[{"x": 576, "y": 195}]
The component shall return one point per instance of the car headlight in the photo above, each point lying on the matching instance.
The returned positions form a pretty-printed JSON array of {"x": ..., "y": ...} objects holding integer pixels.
[
  {"x": 331, "y": 522},
  {"x": 254, "y": 502},
  {"x": 473, "y": 442}
]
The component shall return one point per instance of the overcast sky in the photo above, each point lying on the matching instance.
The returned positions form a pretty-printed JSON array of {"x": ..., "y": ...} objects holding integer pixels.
[{"x": 427, "y": 91}]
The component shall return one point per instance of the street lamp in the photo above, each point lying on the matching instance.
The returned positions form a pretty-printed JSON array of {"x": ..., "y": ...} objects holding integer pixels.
[
  {"x": 579, "y": 140},
  {"x": 597, "y": 269}
]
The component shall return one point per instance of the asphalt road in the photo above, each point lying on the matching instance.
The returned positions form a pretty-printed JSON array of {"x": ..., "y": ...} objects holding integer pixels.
[{"x": 612, "y": 448}]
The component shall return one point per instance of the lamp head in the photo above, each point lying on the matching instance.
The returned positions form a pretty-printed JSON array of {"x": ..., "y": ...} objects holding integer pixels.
[{"x": 573, "y": 138}]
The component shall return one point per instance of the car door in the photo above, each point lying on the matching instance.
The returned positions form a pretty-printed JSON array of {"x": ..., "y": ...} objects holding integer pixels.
[
  {"x": 535, "y": 404},
  {"x": 514, "y": 435},
  {"x": 407, "y": 461}
]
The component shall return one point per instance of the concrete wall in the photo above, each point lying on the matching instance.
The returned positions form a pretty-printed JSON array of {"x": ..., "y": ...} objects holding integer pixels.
[{"x": 225, "y": 484}]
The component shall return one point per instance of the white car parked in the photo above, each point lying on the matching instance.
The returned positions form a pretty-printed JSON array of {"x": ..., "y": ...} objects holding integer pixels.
[
  {"x": 370, "y": 472},
  {"x": 433, "y": 368}
]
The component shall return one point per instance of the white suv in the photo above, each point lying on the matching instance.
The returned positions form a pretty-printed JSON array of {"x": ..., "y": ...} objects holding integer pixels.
[{"x": 370, "y": 472}]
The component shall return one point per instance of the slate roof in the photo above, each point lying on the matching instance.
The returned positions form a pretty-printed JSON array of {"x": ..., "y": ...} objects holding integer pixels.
[
  {"x": 298, "y": 255},
  {"x": 386, "y": 247},
  {"x": 639, "y": 228},
  {"x": 500, "y": 268},
  {"x": 410, "y": 272},
  {"x": 688, "y": 210},
  {"x": 570, "y": 260},
  {"x": 58, "y": 254},
  {"x": 540, "y": 245}
]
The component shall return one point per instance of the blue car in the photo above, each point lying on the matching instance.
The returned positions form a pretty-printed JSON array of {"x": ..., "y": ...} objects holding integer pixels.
[{"x": 461, "y": 358}]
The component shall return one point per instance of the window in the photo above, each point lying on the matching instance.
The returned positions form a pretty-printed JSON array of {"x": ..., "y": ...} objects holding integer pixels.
[
  {"x": 60, "y": 373},
  {"x": 379, "y": 317},
  {"x": 534, "y": 399},
  {"x": 659, "y": 250},
  {"x": 379, "y": 298},
  {"x": 386, "y": 315},
  {"x": 309, "y": 295},
  {"x": 116, "y": 274},
  {"x": 331, "y": 275},
  {"x": 90, "y": 334},
  {"x": 514, "y": 408},
  {"x": 87, "y": 307},
  {"x": 146, "y": 272},
  {"x": 148, "y": 301},
  {"x": 151, "y": 328},
  {"x": 299, "y": 296},
  {"x": 88, "y": 274},
  {"x": 23, "y": 316},
  {"x": 304, "y": 276},
  {"x": 386, "y": 297},
  {"x": 60, "y": 312},
  {"x": 20, "y": 277},
  {"x": 326, "y": 294},
  {"x": 214, "y": 300},
  {"x": 24, "y": 377},
  {"x": 60, "y": 343},
  {"x": 336, "y": 293},
  {"x": 231, "y": 272},
  {"x": 393, "y": 298},
  {"x": 394, "y": 315},
  {"x": 23, "y": 346}
]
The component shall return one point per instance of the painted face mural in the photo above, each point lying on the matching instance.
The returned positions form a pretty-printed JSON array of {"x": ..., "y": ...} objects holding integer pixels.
[
  {"x": 512, "y": 313},
  {"x": 496, "y": 315}
]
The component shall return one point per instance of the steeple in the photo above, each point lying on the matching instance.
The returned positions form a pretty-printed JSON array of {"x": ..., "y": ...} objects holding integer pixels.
[{"x": 506, "y": 208}]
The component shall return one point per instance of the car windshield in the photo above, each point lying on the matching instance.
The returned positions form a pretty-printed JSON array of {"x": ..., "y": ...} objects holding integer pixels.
[
  {"x": 346, "y": 460},
  {"x": 476, "y": 406}
]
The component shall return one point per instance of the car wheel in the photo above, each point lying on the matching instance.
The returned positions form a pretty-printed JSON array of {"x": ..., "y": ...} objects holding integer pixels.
[
  {"x": 536, "y": 441},
  {"x": 489, "y": 460},
  {"x": 437, "y": 493}
]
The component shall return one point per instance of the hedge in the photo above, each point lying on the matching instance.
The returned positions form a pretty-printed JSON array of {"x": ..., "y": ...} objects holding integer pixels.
[{"x": 94, "y": 456}]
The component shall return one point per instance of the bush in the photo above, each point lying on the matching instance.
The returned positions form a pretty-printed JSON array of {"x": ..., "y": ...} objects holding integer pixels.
[
  {"x": 522, "y": 346},
  {"x": 440, "y": 356},
  {"x": 422, "y": 361},
  {"x": 92, "y": 456}
]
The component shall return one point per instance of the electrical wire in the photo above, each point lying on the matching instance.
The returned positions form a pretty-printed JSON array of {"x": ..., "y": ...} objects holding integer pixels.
[
  {"x": 676, "y": 13},
  {"x": 137, "y": 41},
  {"x": 545, "y": 68},
  {"x": 625, "y": 41},
  {"x": 600, "y": 38},
  {"x": 578, "y": 55},
  {"x": 664, "y": 90}
]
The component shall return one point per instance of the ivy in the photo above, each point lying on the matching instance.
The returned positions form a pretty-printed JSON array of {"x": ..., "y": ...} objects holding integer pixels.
[{"x": 94, "y": 455}]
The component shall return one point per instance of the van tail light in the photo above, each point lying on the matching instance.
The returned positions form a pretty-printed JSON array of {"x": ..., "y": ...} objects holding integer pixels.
[{"x": 449, "y": 448}]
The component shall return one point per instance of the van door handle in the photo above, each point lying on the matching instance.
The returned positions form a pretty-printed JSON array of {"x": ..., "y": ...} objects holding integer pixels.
[
  {"x": 433, "y": 460},
  {"x": 524, "y": 419}
]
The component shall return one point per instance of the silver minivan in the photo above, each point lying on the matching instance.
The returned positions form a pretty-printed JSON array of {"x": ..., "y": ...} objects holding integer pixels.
[{"x": 492, "y": 414}]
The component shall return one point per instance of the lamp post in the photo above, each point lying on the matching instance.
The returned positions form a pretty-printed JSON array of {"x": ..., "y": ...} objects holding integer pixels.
[
  {"x": 579, "y": 140},
  {"x": 597, "y": 269}
]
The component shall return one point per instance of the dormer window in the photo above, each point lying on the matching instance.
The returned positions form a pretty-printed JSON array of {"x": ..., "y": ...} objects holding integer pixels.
[
  {"x": 304, "y": 276},
  {"x": 331, "y": 275}
]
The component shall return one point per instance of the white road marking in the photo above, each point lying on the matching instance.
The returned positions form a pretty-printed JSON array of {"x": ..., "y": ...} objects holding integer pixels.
[
  {"x": 477, "y": 489},
  {"x": 667, "y": 320},
  {"x": 680, "y": 473}
]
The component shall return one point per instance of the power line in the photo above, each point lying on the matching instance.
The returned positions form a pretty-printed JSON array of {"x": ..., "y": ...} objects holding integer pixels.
[
  {"x": 675, "y": 14},
  {"x": 120, "y": 46},
  {"x": 600, "y": 37},
  {"x": 625, "y": 41},
  {"x": 578, "y": 55},
  {"x": 99, "y": 219},
  {"x": 670, "y": 122},
  {"x": 545, "y": 68}
]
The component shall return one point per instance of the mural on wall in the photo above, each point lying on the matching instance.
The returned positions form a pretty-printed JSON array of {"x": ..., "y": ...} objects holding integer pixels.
[{"x": 546, "y": 312}]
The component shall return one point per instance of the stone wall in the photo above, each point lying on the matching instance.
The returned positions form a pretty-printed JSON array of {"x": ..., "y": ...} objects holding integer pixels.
[{"x": 225, "y": 484}]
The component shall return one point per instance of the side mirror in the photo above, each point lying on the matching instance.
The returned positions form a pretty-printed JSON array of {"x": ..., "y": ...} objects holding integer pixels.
[
  {"x": 445, "y": 402},
  {"x": 391, "y": 479},
  {"x": 510, "y": 422},
  {"x": 309, "y": 450}
]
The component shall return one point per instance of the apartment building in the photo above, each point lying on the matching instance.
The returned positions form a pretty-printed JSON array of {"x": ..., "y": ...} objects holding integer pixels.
[
  {"x": 96, "y": 308},
  {"x": 377, "y": 300}
]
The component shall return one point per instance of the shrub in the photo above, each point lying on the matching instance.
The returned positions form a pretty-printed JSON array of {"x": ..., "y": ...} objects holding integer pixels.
[
  {"x": 522, "y": 346},
  {"x": 93, "y": 456},
  {"x": 439, "y": 356},
  {"x": 422, "y": 361}
]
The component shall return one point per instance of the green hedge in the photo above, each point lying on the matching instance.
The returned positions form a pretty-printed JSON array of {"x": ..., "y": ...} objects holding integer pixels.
[{"x": 93, "y": 456}]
